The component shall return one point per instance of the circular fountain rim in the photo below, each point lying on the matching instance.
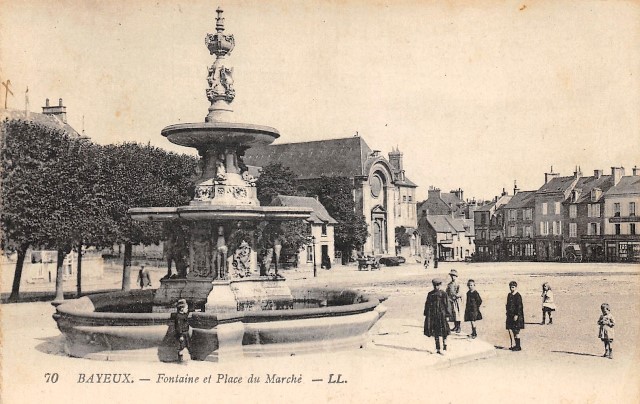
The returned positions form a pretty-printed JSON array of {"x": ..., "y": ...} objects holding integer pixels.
[
  {"x": 200, "y": 133},
  {"x": 83, "y": 310},
  {"x": 207, "y": 211}
]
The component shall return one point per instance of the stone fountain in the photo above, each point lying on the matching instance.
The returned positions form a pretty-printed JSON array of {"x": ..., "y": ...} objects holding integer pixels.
[
  {"x": 235, "y": 309},
  {"x": 225, "y": 194}
]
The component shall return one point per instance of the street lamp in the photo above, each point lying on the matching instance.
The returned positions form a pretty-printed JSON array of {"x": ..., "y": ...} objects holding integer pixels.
[{"x": 313, "y": 241}]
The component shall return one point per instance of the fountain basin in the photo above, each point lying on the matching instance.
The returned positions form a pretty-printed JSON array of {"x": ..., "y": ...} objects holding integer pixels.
[
  {"x": 219, "y": 212},
  {"x": 122, "y": 326},
  {"x": 228, "y": 133}
]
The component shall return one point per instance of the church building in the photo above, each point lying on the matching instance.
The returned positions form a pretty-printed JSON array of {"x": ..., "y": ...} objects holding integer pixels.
[{"x": 381, "y": 191}]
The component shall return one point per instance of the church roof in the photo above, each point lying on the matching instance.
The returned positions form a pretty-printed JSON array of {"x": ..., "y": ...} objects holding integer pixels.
[{"x": 333, "y": 157}]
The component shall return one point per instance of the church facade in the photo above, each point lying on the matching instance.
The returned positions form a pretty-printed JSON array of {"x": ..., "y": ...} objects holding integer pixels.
[{"x": 382, "y": 193}]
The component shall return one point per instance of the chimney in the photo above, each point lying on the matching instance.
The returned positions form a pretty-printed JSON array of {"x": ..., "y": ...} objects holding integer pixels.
[
  {"x": 597, "y": 173},
  {"x": 577, "y": 173},
  {"x": 550, "y": 175},
  {"x": 59, "y": 111},
  {"x": 458, "y": 193},
  {"x": 634, "y": 170},
  {"x": 433, "y": 193},
  {"x": 504, "y": 192},
  {"x": 617, "y": 173},
  {"x": 515, "y": 187}
]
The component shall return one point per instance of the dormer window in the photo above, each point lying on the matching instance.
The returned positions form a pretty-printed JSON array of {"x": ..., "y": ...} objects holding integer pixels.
[
  {"x": 575, "y": 195},
  {"x": 595, "y": 194}
]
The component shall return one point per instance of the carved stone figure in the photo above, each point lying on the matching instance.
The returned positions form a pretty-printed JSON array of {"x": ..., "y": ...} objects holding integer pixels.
[
  {"x": 250, "y": 179},
  {"x": 242, "y": 261},
  {"x": 221, "y": 171},
  {"x": 221, "y": 254}
]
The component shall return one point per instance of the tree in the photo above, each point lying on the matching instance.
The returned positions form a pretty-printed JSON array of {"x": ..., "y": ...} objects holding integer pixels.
[
  {"x": 39, "y": 192},
  {"x": 336, "y": 194},
  {"x": 403, "y": 239},
  {"x": 144, "y": 176},
  {"x": 275, "y": 179}
]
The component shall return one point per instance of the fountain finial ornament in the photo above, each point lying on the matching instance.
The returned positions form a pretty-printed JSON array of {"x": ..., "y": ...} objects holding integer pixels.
[{"x": 220, "y": 91}]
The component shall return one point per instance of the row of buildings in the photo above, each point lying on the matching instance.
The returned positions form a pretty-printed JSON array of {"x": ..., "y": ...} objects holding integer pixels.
[{"x": 571, "y": 218}]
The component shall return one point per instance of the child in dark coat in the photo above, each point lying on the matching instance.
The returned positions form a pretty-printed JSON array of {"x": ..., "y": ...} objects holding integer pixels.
[
  {"x": 472, "y": 309},
  {"x": 435, "y": 316},
  {"x": 515, "y": 314},
  {"x": 181, "y": 323}
]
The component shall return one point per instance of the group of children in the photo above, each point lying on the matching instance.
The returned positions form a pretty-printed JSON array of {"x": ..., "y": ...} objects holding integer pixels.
[{"x": 442, "y": 307}]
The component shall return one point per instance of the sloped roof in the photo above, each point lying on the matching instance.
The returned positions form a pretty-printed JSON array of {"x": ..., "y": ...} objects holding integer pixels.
[
  {"x": 49, "y": 121},
  {"x": 446, "y": 224},
  {"x": 628, "y": 185},
  {"x": 486, "y": 207},
  {"x": 319, "y": 214},
  {"x": 523, "y": 199},
  {"x": 406, "y": 182},
  {"x": 334, "y": 157},
  {"x": 440, "y": 223},
  {"x": 451, "y": 199},
  {"x": 587, "y": 184},
  {"x": 557, "y": 184}
]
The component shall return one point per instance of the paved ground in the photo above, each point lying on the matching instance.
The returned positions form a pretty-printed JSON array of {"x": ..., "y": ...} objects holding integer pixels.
[{"x": 560, "y": 363}]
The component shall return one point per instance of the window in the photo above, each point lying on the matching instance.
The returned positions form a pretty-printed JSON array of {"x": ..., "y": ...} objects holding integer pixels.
[
  {"x": 528, "y": 231},
  {"x": 632, "y": 208},
  {"x": 512, "y": 231},
  {"x": 528, "y": 214},
  {"x": 483, "y": 235},
  {"x": 309, "y": 253},
  {"x": 573, "y": 230},
  {"x": 616, "y": 210},
  {"x": 557, "y": 212},
  {"x": 617, "y": 228},
  {"x": 544, "y": 228},
  {"x": 544, "y": 208},
  {"x": 324, "y": 229},
  {"x": 410, "y": 198},
  {"x": 554, "y": 227},
  {"x": 593, "y": 210},
  {"x": 483, "y": 218},
  {"x": 632, "y": 228},
  {"x": 573, "y": 211},
  {"x": 593, "y": 229}
]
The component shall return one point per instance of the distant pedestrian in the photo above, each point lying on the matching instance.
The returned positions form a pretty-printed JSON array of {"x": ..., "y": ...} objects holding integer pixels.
[
  {"x": 606, "y": 323},
  {"x": 515, "y": 315},
  {"x": 548, "y": 303},
  {"x": 472, "y": 309},
  {"x": 435, "y": 316},
  {"x": 144, "y": 278},
  {"x": 455, "y": 300}
]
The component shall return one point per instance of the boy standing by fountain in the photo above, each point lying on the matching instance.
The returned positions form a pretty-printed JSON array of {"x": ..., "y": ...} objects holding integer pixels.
[{"x": 182, "y": 328}]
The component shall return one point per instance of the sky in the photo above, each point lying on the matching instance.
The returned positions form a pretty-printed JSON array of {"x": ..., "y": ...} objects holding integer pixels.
[{"x": 476, "y": 94}]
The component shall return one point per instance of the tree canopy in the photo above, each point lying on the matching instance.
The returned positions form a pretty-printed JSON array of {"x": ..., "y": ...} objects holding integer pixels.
[
  {"x": 336, "y": 194},
  {"x": 62, "y": 192},
  {"x": 275, "y": 179}
]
